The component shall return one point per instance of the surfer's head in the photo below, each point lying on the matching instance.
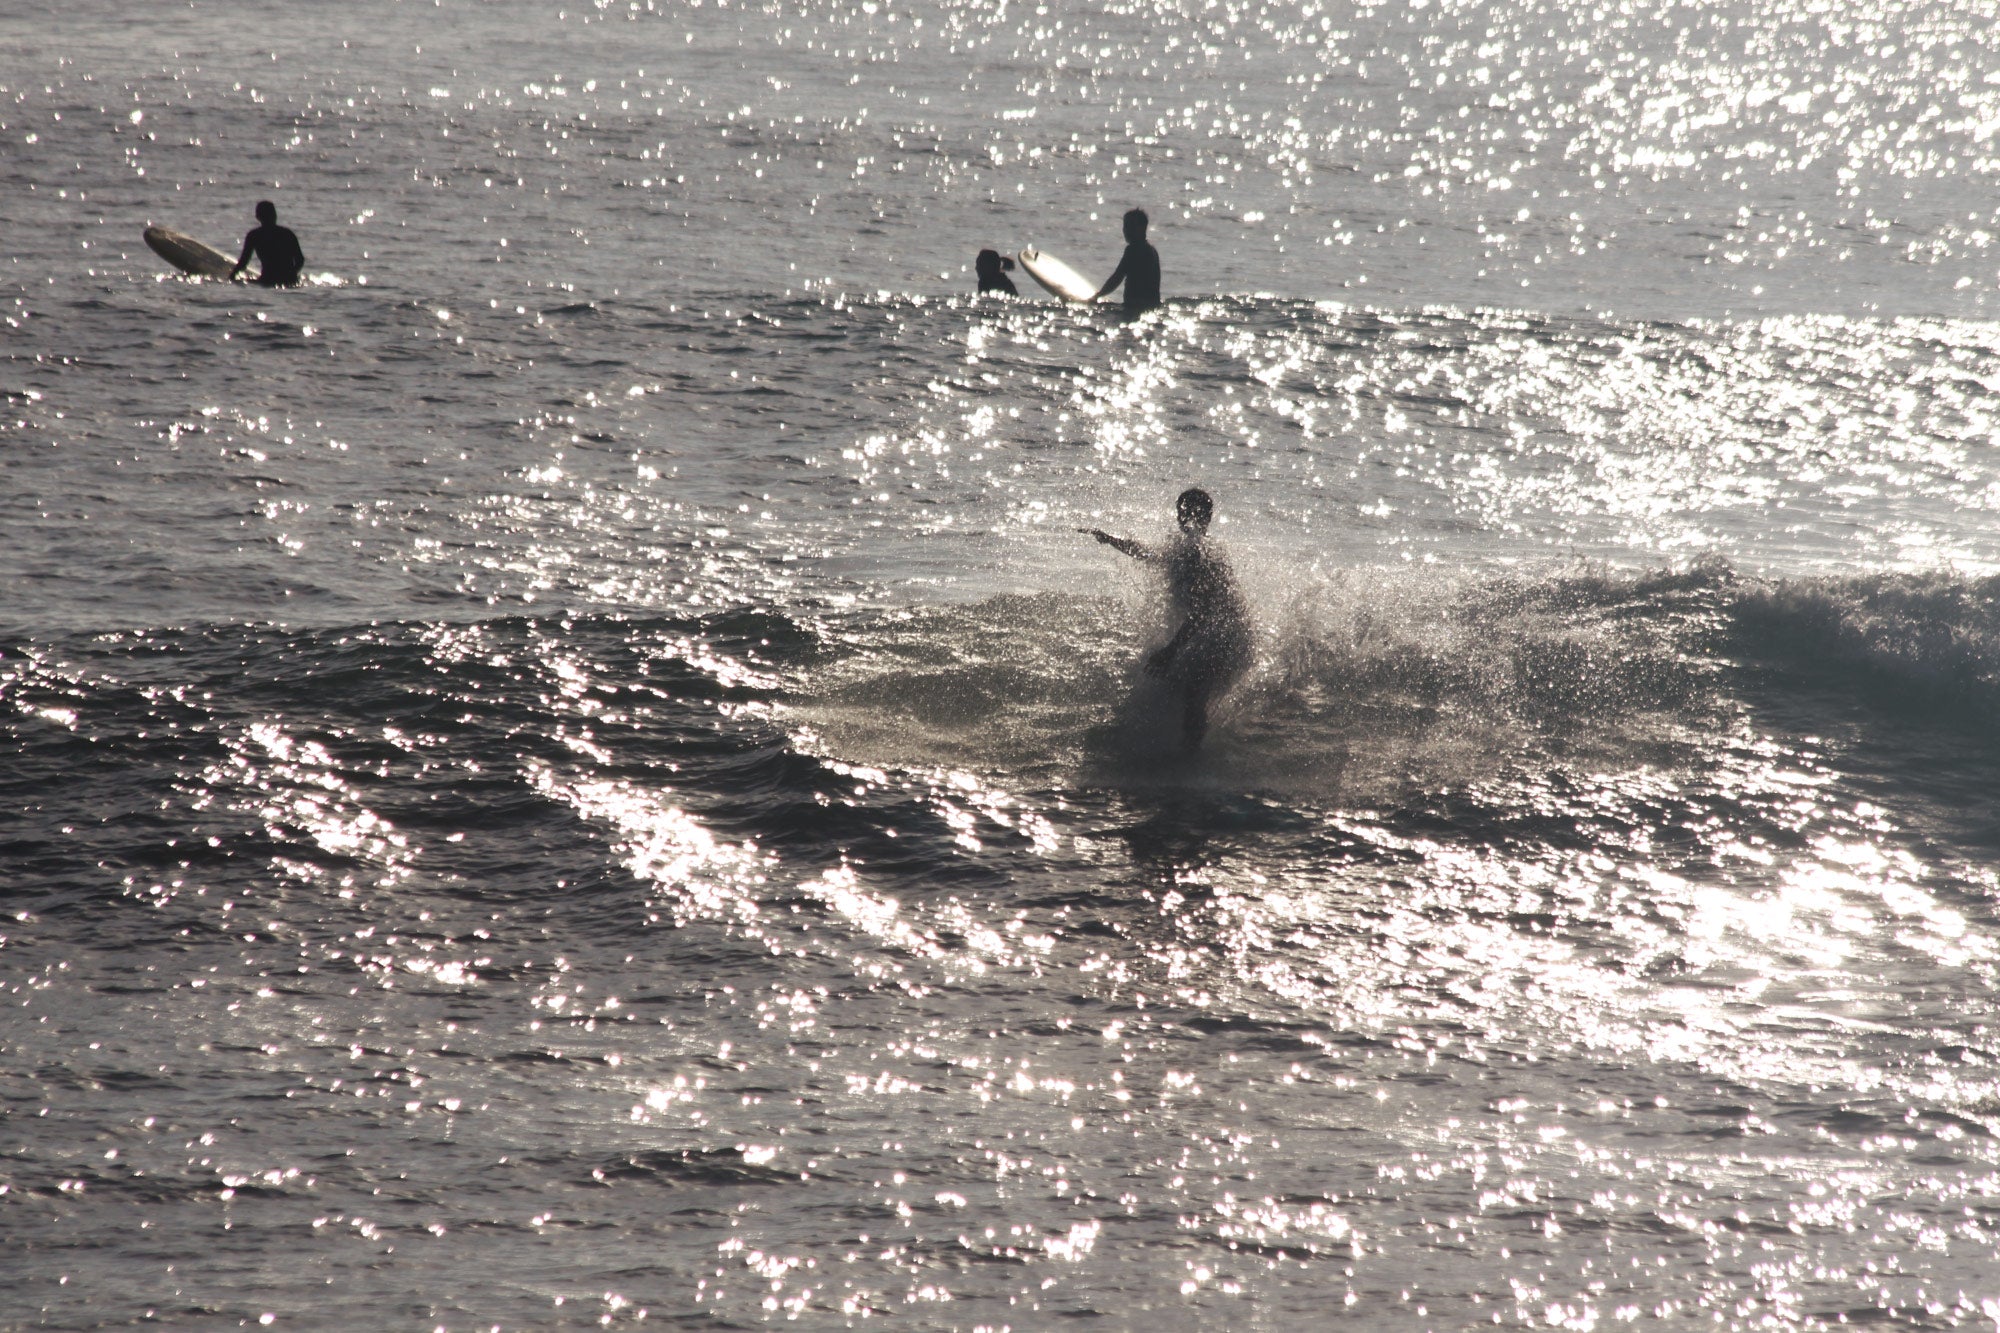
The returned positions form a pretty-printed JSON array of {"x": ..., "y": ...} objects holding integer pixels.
[
  {"x": 267, "y": 212},
  {"x": 1194, "y": 509},
  {"x": 1135, "y": 225},
  {"x": 990, "y": 263}
]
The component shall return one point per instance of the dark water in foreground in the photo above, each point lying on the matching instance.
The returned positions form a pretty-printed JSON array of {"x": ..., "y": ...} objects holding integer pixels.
[
  {"x": 1638, "y": 956},
  {"x": 571, "y": 783}
]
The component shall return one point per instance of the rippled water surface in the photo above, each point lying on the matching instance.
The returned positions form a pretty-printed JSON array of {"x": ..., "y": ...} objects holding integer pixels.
[{"x": 576, "y": 770}]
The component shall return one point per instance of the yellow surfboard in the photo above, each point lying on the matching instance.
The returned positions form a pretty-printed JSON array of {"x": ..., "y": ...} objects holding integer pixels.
[{"x": 187, "y": 254}]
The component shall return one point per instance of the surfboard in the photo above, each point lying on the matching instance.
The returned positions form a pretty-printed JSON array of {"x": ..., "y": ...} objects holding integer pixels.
[
  {"x": 187, "y": 254},
  {"x": 1057, "y": 278}
]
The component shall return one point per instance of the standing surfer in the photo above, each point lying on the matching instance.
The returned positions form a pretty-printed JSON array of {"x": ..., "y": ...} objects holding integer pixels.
[
  {"x": 1212, "y": 646},
  {"x": 280, "y": 261},
  {"x": 991, "y": 267},
  {"x": 1139, "y": 270}
]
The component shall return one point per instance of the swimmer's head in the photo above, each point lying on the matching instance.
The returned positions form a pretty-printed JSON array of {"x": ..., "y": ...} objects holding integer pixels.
[
  {"x": 1135, "y": 225},
  {"x": 991, "y": 263},
  {"x": 267, "y": 212},
  {"x": 1194, "y": 509}
]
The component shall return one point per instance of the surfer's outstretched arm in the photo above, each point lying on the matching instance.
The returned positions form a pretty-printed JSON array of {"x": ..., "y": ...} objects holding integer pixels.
[
  {"x": 1111, "y": 283},
  {"x": 242, "y": 260},
  {"x": 1136, "y": 550}
]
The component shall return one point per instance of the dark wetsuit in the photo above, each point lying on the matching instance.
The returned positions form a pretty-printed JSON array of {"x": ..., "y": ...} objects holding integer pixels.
[
  {"x": 992, "y": 268},
  {"x": 279, "y": 258},
  {"x": 1212, "y": 647},
  {"x": 1139, "y": 270}
]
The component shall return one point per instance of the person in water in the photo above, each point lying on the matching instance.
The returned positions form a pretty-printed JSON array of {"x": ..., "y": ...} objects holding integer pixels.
[
  {"x": 280, "y": 261},
  {"x": 1139, "y": 270},
  {"x": 991, "y": 266},
  {"x": 1211, "y": 648}
]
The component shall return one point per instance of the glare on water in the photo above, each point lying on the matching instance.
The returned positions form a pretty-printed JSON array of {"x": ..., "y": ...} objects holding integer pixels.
[{"x": 577, "y": 770}]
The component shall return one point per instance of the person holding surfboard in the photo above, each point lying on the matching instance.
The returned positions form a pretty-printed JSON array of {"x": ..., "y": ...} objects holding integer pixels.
[
  {"x": 280, "y": 261},
  {"x": 1139, "y": 270},
  {"x": 1212, "y": 646}
]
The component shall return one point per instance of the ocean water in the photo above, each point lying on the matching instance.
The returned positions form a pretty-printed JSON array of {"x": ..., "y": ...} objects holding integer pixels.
[{"x": 576, "y": 772}]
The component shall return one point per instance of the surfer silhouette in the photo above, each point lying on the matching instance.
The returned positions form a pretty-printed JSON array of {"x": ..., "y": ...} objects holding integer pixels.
[
  {"x": 279, "y": 258},
  {"x": 1212, "y": 646},
  {"x": 1139, "y": 270},
  {"x": 990, "y": 267}
]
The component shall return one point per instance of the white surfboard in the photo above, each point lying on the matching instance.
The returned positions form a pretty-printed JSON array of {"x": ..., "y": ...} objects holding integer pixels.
[
  {"x": 187, "y": 254},
  {"x": 1057, "y": 278}
]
